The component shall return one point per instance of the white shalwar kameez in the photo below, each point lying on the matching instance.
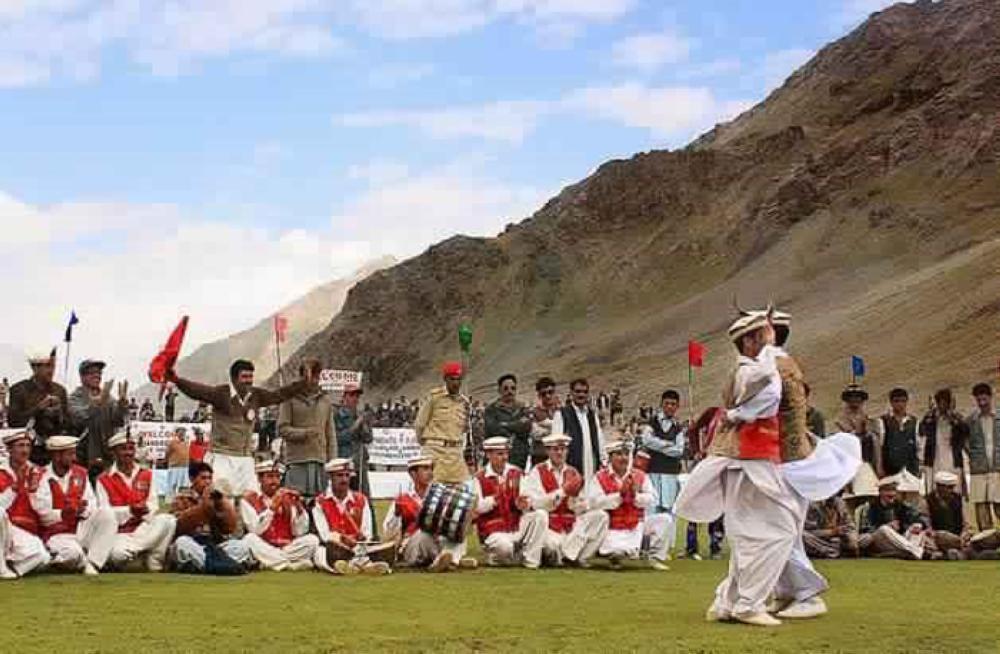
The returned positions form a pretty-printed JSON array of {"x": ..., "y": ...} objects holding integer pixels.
[
  {"x": 589, "y": 526},
  {"x": 95, "y": 532},
  {"x": 628, "y": 543},
  {"x": 296, "y": 555}
]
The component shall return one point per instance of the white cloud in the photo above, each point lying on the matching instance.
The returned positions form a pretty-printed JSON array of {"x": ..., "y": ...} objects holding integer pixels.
[
  {"x": 779, "y": 65},
  {"x": 650, "y": 52},
  {"x": 714, "y": 68},
  {"x": 506, "y": 121},
  {"x": 392, "y": 75}
]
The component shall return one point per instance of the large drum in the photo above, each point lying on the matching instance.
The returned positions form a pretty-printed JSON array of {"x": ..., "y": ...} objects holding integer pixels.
[{"x": 447, "y": 511}]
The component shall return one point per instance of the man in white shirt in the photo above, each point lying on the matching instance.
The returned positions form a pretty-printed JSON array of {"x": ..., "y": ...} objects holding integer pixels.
[
  {"x": 78, "y": 533},
  {"x": 586, "y": 448},
  {"x": 343, "y": 521},
  {"x": 509, "y": 529},
  {"x": 21, "y": 550},
  {"x": 574, "y": 533},
  {"x": 126, "y": 489},
  {"x": 276, "y": 523},
  {"x": 625, "y": 494}
]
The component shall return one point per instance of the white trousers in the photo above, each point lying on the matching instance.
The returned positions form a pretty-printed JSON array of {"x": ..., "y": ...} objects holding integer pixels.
[
  {"x": 150, "y": 540},
  {"x": 521, "y": 546},
  {"x": 20, "y": 550},
  {"x": 187, "y": 551},
  {"x": 650, "y": 536},
  {"x": 420, "y": 549},
  {"x": 799, "y": 580},
  {"x": 233, "y": 475},
  {"x": 297, "y": 555},
  {"x": 762, "y": 529},
  {"x": 92, "y": 541},
  {"x": 582, "y": 541}
]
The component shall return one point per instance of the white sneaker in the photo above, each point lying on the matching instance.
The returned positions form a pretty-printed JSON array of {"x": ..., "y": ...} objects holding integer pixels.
[
  {"x": 714, "y": 614},
  {"x": 89, "y": 570},
  {"x": 757, "y": 619},
  {"x": 695, "y": 557},
  {"x": 6, "y": 574},
  {"x": 810, "y": 608},
  {"x": 442, "y": 563},
  {"x": 658, "y": 565}
]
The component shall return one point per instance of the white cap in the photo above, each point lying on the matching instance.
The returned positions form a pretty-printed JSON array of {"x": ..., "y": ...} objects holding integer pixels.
[
  {"x": 496, "y": 443},
  {"x": 339, "y": 465},
  {"x": 945, "y": 478},
  {"x": 556, "y": 439},
  {"x": 120, "y": 438},
  {"x": 616, "y": 446},
  {"x": 420, "y": 461},
  {"x": 17, "y": 435},
  {"x": 748, "y": 323},
  {"x": 56, "y": 443},
  {"x": 41, "y": 355},
  {"x": 908, "y": 482},
  {"x": 268, "y": 466}
]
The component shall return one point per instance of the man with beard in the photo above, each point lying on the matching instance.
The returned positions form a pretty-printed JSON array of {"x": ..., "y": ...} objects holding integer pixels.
[
  {"x": 853, "y": 419},
  {"x": 343, "y": 521},
  {"x": 579, "y": 422},
  {"x": 542, "y": 415},
  {"x": 945, "y": 436},
  {"x": 21, "y": 550},
  {"x": 40, "y": 401},
  {"x": 277, "y": 524}
]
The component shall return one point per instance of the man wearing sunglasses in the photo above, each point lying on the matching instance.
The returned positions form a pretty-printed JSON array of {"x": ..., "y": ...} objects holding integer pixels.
[
  {"x": 508, "y": 418},
  {"x": 542, "y": 415}
]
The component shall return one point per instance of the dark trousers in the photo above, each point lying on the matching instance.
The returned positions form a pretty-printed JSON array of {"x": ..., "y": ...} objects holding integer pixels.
[{"x": 716, "y": 532}]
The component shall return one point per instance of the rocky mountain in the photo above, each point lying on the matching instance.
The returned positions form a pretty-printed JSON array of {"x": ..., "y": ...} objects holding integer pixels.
[
  {"x": 863, "y": 196},
  {"x": 306, "y": 316}
]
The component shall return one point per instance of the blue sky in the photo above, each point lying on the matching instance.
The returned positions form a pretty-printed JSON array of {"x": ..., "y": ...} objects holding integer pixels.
[{"x": 221, "y": 157}]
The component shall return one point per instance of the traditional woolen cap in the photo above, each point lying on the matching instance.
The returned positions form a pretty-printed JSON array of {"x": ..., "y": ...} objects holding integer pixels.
[
  {"x": 556, "y": 439},
  {"x": 451, "y": 369},
  {"x": 746, "y": 324},
  {"x": 339, "y": 465},
  {"x": 891, "y": 480},
  {"x": 120, "y": 438},
  {"x": 780, "y": 318},
  {"x": 945, "y": 478},
  {"x": 56, "y": 443},
  {"x": 17, "y": 435},
  {"x": 908, "y": 482},
  {"x": 496, "y": 443},
  {"x": 420, "y": 461},
  {"x": 41, "y": 355},
  {"x": 263, "y": 467},
  {"x": 616, "y": 446},
  {"x": 853, "y": 390}
]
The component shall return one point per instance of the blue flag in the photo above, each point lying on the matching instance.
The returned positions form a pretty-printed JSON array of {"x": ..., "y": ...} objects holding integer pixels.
[
  {"x": 69, "y": 328},
  {"x": 858, "y": 366}
]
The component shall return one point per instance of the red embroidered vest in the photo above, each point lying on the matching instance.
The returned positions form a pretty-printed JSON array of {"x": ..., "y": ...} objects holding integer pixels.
[
  {"x": 279, "y": 532},
  {"x": 21, "y": 513},
  {"x": 627, "y": 516},
  {"x": 760, "y": 439},
  {"x": 408, "y": 507},
  {"x": 505, "y": 515},
  {"x": 561, "y": 518},
  {"x": 345, "y": 523},
  {"x": 120, "y": 493},
  {"x": 74, "y": 494}
]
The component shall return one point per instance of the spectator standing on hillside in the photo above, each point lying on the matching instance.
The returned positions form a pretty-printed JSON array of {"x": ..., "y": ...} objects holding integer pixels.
[
  {"x": 354, "y": 435},
  {"x": 984, "y": 458},
  {"x": 95, "y": 416},
  {"x": 508, "y": 418},
  {"x": 898, "y": 437},
  {"x": 603, "y": 404},
  {"x": 617, "y": 408},
  {"x": 944, "y": 434},
  {"x": 306, "y": 425},
  {"x": 41, "y": 400},
  {"x": 853, "y": 419},
  {"x": 542, "y": 415},
  {"x": 578, "y": 421}
]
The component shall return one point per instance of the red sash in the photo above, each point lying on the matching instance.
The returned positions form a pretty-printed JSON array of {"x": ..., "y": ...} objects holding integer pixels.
[
  {"x": 627, "y": 516},
  {"x": 120, "y": 493},
  {"x": 761, "y": 439},
  {"x": 505, "y": 515},
  {"x": 279, "y": 532},
  {"x": 561, "y": 518},
  {"x": 345, "y": 523},
  {"x": 60, "y": 500},
  {"x": 21, "y": 513}
]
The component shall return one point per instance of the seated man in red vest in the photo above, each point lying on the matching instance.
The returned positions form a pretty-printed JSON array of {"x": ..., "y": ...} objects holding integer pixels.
[
  {"x": 343, "y": 521},
  {"x": 78, "y": 533},
  {"x": 277, "y": 524},
  {"x": 417, "y": 548},
  {"x": 625, "y": 493},
  {"x": 554, "y": 486},
  {"x": 510, "y": 531},
  {"x": 21, "y": 550},
  {"x": 126, "y": 488}
]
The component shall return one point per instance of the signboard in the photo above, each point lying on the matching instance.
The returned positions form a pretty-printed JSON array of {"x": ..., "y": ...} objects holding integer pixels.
[
  {"x": 152, "y": 437},
  {"x": 334, "y": 381},
  {"x": 393, "y": 447}
]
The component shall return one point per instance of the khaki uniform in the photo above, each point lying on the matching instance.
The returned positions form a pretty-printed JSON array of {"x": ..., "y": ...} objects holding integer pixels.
[{"x": 441, "y": 425}]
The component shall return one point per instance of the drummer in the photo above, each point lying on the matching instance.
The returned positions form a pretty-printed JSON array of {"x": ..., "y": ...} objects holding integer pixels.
[
  {"x": 418, "y": 548},
  {"x": 574, "y": 533},
  {"x": 510, "y": 531},
  {"x": 343, "y": 521}
]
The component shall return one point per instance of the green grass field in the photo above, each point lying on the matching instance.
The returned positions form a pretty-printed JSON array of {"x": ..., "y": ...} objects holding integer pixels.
[{"x": 876, "y": 606}]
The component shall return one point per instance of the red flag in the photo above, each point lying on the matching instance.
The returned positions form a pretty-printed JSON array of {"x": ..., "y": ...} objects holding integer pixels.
[
  {"x": 696, "y": 354},
  {"x": 280, "y": 327},
  {"x": 165, "y": 360}
]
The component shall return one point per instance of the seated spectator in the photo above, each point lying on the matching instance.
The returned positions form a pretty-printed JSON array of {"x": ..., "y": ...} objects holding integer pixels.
[
  {"x": 830, "y": 533},
  {"x": 891, "y": 528}
]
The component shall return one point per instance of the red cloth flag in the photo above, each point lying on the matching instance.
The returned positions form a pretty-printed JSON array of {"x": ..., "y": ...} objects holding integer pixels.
[
  {"x": 280, "y": 327},
  {"x": 165, "y": 360},
  {"x": 696, "y": 354}
]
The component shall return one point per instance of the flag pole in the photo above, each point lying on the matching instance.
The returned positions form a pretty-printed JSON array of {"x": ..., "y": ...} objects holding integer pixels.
[
  {"x": 66, "y": 363},
  {"x": 277, "y": 352}
]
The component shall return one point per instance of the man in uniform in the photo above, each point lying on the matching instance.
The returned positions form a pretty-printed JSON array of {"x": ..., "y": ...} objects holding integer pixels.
[
  {"x": 417, "y": 548},
  {"x": 574, "y": 533},
  {"x": 127, "y": 490},
  {"x": 21, "y": 550},
  {"x": 625, "y": 494},
  {"x": 343, "y": 521},
  {"x": 41, "y": 400},
  {"x": 277, "y": 524},
  {"x": 206, "y": 524},
  {"x": 77, "y": 531},
  {"x": 509, "y": 529},
  {"x": 441, "y": 426}
]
